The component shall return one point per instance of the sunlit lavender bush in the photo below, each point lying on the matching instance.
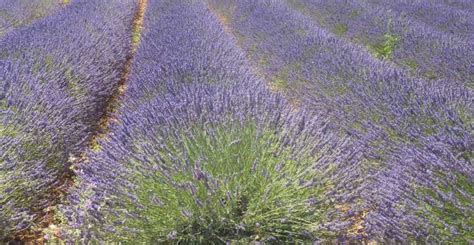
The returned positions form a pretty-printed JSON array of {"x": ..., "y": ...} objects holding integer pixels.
[{"x": 209, "y": 164}]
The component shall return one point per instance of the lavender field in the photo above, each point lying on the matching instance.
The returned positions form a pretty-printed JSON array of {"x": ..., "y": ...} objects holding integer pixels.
[{"x": 237, "y": 121}]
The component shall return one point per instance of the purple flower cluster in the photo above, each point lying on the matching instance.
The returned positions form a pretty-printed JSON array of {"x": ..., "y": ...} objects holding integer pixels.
[{"x": 55, "y": 78}]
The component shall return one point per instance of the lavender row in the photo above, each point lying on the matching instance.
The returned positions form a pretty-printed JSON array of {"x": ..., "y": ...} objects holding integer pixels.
[
  {"x": 416, "y": 46},
  {"x": 15, "y": 14},
  {"x": 56, "y": 76},
  {"x": 440, "y": 16},
  {"x": 202, "y": 151},
  {"x": 459, "y": 4},
  {"x": 388, "y": 110},
  {"x": 184, "y": 50},
  {"x": 421, "y": 196}
]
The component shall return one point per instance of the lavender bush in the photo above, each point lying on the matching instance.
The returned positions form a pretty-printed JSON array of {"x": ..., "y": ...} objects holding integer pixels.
[{"x": 209, "y": 164}]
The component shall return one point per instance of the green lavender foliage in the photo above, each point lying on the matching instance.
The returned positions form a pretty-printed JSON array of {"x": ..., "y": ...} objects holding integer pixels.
[
  {"x": 384, "y": 49},
  {"x": 256, "y": 189}
]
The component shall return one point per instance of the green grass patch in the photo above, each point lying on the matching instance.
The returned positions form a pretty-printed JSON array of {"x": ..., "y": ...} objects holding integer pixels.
[
  {"x": 73, "y": 81},
  {"x": 8, "y": 131},
  {"x": 412, "y": 64},
  {"x": 340, "y": 29},
  {"x": 136, "y": 37},
  {"x": 3, "y": 104},
  {"x": 430, "y": 74},
  {"x": 354, "y": 13},
  {"x": 385, "y": 48},
  {"x": 280, "y": 83},
  {"x": 282, "y": 78}
]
